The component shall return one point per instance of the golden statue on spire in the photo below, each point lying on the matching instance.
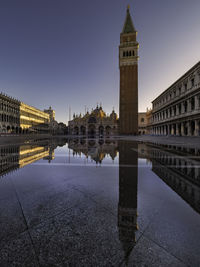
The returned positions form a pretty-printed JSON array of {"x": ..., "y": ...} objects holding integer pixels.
[{"x": 128, "y": 7}]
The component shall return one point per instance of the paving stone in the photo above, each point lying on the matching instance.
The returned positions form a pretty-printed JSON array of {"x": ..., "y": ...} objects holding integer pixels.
[{"x": 18, "y": 252}]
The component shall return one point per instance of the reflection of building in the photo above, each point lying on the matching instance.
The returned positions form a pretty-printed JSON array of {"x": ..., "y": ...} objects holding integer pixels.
[
  {"x": 16, "y": 156},
  {"x": 97, "y": 150},
  {"x": 127, "y": 207},
  {"x": 9, "y": 159},
  {"x": 128, "y": 64},
  {"x": 31, "y": 153},
  {"x": 94, "y": 123},
  {"x": 128, "y": 176},
  {"x": 178, "y": 167},
  {"x": 180, "y": 173},
  {"x": 177, "y": 110}
]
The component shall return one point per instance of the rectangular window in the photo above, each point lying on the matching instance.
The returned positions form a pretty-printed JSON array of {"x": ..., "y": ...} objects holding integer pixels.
[
  {"x": 192, "y": 82},
  {"x": 185, "y": 86}
]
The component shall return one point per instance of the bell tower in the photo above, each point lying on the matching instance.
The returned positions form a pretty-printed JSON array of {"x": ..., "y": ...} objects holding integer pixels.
[{"x": 128, "y": 65}]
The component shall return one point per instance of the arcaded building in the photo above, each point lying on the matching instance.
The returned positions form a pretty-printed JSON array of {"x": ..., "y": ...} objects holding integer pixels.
[
  {"x": 9, "y": 114},
  {"x": 128, "y": 65},
  {"x": 17, "y": 117},
  {"x": 177, "y": 110},
  {"x": 33, "y": 120},
  {"x": 95, "y": 123}
]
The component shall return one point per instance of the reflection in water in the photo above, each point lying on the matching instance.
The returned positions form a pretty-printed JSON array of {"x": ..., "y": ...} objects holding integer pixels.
[
  {"x": 127, "y": 206},
  {"x": 182, "y": 174},
  {"x": 14, "y": 156},
  {"x": 128, "y": 176},
  {"x": 178, "y": 171},
  {"x": 96, "y": 149}
]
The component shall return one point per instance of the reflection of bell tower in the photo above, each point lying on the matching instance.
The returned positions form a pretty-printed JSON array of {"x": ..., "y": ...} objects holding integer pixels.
[
  {"x": 128, "y": 64},
  {"x": 127, "y": 206}
]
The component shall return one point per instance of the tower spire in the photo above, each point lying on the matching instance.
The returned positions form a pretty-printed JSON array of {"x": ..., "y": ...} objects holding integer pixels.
[{"x": 128, "y": 25}]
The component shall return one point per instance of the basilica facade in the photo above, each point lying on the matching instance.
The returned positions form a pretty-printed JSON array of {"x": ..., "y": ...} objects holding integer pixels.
[{"x": 95, "y": 123}]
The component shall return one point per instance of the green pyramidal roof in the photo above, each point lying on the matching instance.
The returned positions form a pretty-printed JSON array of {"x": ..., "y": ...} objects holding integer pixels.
[{"x": 128, "y": 25}]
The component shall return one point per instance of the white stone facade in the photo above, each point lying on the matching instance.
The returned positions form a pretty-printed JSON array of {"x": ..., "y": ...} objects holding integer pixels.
[
  {"x": 177, "y": 110},
  {"x": 17, "y": 117}
]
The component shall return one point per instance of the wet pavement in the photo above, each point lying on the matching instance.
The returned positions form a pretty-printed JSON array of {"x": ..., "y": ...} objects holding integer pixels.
[{"x": 81, "y": 202}]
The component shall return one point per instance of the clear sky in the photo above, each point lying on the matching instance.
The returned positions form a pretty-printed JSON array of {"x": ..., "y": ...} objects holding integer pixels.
[{"x": 65, "y": 52}]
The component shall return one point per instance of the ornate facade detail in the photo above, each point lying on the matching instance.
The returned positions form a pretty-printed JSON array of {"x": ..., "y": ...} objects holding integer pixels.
[{"x": 96, "y": 123}]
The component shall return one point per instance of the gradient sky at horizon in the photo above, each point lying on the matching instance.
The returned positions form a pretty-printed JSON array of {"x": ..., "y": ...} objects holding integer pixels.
[{"x": 65, "y": 53}]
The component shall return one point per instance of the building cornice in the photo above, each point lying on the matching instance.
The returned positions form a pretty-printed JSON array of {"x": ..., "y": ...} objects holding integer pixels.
[{"x": 181, "y": 79}]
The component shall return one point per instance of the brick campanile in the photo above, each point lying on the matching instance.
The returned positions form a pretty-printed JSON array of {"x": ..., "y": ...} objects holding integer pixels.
[{"x": 128, "y": 65}]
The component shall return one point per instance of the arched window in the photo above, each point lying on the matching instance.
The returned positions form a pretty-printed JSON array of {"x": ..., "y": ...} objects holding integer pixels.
[
  {"x": 129, "y": 53},
  {"x": 124, "y": 54},
  {"x": 133, "y": 53},
  {"x": 142, "y": 119}
]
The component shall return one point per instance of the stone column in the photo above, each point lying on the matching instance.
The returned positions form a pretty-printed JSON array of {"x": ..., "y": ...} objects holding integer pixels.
[
  {"x": 188, "y": 105},
  {"x": 164, "y": 132},
  {"x": 189, "y": 128},
  {"x": 182, "y": 129},
  {"x": 196, "y": 132},
  {"x": 177, "y": 132},
  {"x": 172, "y": 111},
  {"x": 172, "y": 129},
  {"x": 182, "y": 108}
]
